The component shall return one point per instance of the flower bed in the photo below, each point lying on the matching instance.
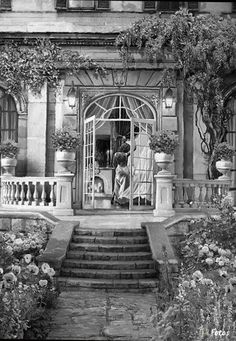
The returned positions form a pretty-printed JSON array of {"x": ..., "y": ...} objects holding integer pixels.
[
  {"x": 201, "y": 303},
  {"x": 27, "y": 291}
]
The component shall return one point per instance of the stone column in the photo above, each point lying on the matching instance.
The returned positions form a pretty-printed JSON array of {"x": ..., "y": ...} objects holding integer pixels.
[
  {"x": 64, "y": 195},
  {"x": 164, "y": 195},
  {"x": 36, "y": 133}
]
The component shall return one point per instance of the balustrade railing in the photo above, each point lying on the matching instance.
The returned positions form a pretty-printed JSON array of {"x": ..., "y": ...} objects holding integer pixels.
[
  {"x": 28, "y": 192},
  {"x": 189, "y": 193}
]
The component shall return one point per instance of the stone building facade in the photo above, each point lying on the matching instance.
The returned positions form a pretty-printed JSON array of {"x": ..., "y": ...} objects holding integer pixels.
[{"x": 124, "y": 103}]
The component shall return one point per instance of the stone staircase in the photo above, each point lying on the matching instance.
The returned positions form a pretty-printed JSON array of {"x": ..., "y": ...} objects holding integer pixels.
[{"x": 109, "y": 259}]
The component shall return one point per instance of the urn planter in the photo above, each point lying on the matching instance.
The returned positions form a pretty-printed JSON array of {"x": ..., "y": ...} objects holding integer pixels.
[
  {"x": 65, "y": 160},
  {"x": 163, "y": 161},
  {"x": 9, "y": 165},
  {"x": 224, "y": 167}
]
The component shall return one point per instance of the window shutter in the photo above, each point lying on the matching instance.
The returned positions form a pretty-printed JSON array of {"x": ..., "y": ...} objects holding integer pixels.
[
  {"x": 103, "y": 4},
  {"x": 233, "y": 7},
  {"x": 5, "y": 5},
  {"x": 193, "y": 5},
  {"x": 61, "y": 4},
  {"x": 149, "y": 5}
]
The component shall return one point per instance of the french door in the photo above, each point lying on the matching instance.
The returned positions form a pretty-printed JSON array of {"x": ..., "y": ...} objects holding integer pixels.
[
  {"x": 141, "y": 165},
  {"x": 89, "y": 163}
]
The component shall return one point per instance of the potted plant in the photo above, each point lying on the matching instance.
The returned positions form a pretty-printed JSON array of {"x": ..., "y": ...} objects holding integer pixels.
[
  {"x": 8, "y": 152},
  {"x": 223, "y": 155},
  {"x": 164, "y": 143},
  {"x": 65, "y": 141}
]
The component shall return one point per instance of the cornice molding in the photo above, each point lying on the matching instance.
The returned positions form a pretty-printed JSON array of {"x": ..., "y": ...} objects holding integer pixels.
[{"x": 63, "y": 39}]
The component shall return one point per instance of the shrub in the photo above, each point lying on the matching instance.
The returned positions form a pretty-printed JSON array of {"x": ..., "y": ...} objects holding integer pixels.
[
  {"x": 224, "y": 151},
  {"x": 9, "y": 149},
  {"x": 26, "y": 289},
  {"x": 65, "y": 139},
  {"x": 164, "y": 141}
]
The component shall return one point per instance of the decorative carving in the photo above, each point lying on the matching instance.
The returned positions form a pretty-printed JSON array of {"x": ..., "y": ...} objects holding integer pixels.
[
  {"x": 119, "y": 77},
  {"x": 154, "y": 99},
  {"x": 86, "y": 98}
]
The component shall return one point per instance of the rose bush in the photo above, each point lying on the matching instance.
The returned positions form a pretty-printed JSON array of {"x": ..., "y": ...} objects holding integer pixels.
[
  {"x": 201, "y": 303},
  {"x": 27, "y": 291}
]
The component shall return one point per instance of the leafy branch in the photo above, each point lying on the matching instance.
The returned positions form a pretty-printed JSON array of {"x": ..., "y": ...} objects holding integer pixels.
[
  {"x": 203, "y": 53},
  {"x": 38, "y": 62}
]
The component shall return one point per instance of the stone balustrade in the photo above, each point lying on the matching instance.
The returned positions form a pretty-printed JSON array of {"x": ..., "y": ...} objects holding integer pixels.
[
  {"x": 51, "y": 194},
  {"x": 189, "y": 193},
  {"x": 28, "y": 191}
]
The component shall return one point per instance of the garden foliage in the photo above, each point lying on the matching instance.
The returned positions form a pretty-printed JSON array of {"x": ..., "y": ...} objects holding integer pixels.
[
  {"x": 27, "y": 290},
  {"x": 201, "y": 304}
]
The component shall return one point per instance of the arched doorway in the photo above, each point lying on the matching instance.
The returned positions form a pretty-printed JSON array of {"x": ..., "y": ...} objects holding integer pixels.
[{"x": 108, "y": 120}]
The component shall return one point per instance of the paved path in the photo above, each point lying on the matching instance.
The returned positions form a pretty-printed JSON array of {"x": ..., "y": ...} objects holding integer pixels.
[{"x": 103, "y": 315}]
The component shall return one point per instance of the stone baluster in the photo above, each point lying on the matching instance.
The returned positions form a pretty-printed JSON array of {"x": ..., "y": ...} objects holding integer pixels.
[
  {"x": 17, "y": 193},
  {"x": 51, "y": 194},
  {"x": 28, "y": 194},
  {"x": 207, "y": 196},
  {"x": 185, "y": 194},
  {"x": 22, "y": 193},
  {"x": 12, "y": 193},
  {"x": 43, "y": 195},
  {"x": 35, "y": 194}
]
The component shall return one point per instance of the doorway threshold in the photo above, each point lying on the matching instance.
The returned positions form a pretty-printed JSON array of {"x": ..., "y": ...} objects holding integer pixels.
[{"x": 110, "y": 212}]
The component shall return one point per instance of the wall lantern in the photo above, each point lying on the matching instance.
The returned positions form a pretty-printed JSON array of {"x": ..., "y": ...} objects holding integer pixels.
[
  {"x": 71, "y": 95},
  {"x": 169, "y": 98}
]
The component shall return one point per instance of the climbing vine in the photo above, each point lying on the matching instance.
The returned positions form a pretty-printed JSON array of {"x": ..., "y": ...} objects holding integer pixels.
[
  {"x": 203, "y": 52},
  {"x": 36, "y": 62}
]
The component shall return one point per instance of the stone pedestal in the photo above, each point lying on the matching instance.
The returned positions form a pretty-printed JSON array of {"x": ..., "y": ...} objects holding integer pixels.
[
  {"x": 164, "y": 195},
  {"x": 64, "y": 194}
]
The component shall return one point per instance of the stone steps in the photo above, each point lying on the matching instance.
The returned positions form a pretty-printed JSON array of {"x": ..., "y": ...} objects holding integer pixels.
[
  {"x": 108, "y": 274},
  {"x": 70, "y": 284},
  {"x": 109, "y": 247},
  {"x": 112, "y": 256},
  {"x": 109, "y": 240},
  {"x": 109, "y": 265},
  {"x": 109, "y": 259}
]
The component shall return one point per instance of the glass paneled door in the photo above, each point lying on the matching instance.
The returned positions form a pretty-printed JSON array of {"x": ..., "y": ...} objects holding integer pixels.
[
  {"x": 89, "y": 163},
  {"x": 141, "y": 164}
]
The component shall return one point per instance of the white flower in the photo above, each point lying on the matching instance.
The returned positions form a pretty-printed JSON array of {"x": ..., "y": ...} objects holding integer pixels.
[
  {"x": 200, "y": 253},
  {"x": 222, "y": 252},
  {"x": 193, "y": 284},
  {"x": 205, "y": 249},
  {"x": 28, "y": 258},
  {"x": 221, "y": 263},
  {"x": 16, "y": 269},
  {"x": 51, "y": 272},
  {"x": 210, "y": 254},
  {"x": 207, "y": 281},
  {"x": 45, "y": 267},
  {"x": 213, "y": 247},
  {"x": 209, "y": 261},
  {"x": 33, "y": 269},
  {"x": 18, "y": 241},
  {"x": 9, "y": 277},
  {"x": 43, "y": 282},
  {"x": 1, "y": 271},
  {"x": 185, "y": 284},
  {"x": 197, "y": 275},
  {"x": 9, "y": 250},
  {"x": 222, "y": 273}
]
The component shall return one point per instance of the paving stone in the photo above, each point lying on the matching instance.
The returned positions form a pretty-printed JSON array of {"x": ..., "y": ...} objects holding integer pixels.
[{"x": 98, "y": 315}]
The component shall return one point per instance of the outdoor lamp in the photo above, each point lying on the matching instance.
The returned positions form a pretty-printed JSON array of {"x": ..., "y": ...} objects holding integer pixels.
[
  {"x": 71, "y": 95},
  {"x": 169, "y": 98}
]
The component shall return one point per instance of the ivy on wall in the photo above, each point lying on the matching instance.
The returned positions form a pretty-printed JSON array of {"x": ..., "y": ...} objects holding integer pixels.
[
  {"x": 203, "y": 53},
  {"x": 38, "y": 62}
]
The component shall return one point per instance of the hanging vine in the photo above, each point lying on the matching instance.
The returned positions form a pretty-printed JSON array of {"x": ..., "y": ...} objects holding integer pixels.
[
  {"x": 203, "y": 52},
  {"x": 38, "y": 62}
]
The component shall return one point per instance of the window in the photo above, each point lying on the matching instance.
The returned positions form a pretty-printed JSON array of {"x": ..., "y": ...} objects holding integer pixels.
[
  {"x": 149, "y": 5},
  {"x": 168, "y": 6},
  {"x": 193, "y": 6},
  {"x": 5, "y": 5},
  {"x": 82, "y": 5},
  {"x": 8, "y": 117}
]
